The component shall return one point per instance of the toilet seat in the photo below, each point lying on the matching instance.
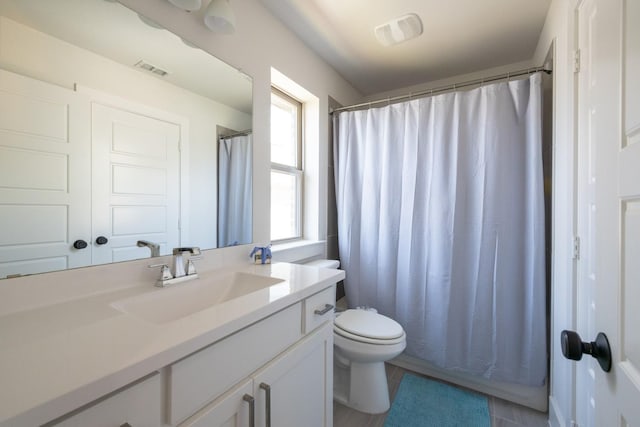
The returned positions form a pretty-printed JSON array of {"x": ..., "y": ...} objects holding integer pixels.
[
  {"x": 366, "y": 340},
  {"x": 368, "y": 327}
]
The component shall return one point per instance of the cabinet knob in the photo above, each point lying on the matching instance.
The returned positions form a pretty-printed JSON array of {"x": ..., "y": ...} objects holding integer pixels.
[
  {"x": 79, "y": 244},
  {"x": 101, "y": 240}
]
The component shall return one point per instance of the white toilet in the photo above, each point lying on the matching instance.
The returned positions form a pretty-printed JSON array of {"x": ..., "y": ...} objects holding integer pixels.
[{"x": 363, "y": 341}]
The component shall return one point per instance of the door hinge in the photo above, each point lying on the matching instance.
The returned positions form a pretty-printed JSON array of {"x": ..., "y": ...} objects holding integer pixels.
[
  {"x": 576, "y": 61},
  {"x": 576, "y": 247}
]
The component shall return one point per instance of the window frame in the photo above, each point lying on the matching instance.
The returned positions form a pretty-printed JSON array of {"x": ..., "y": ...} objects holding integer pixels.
[{"x": 296, "y": 171}]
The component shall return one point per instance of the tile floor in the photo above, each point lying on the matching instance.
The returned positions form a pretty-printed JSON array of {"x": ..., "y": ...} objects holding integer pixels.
[{"x": 503, "y": 413}]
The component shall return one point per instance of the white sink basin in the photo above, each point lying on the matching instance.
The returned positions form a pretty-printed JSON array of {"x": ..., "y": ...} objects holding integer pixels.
[{"x": 183, "y": 299}]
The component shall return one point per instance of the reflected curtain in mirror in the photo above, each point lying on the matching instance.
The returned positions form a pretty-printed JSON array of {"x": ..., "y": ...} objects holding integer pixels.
[{"x": 234, "y": 189}]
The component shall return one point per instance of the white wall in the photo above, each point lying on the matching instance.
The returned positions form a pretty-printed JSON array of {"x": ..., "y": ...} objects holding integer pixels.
[{"x": 45, "y": 58}]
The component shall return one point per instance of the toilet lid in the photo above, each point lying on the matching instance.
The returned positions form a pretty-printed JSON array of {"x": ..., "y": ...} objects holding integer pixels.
[{"x": 369, "y": 324}]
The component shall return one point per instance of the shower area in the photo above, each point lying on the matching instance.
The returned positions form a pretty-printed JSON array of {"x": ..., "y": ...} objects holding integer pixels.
[{"x": 442, "y": 222}]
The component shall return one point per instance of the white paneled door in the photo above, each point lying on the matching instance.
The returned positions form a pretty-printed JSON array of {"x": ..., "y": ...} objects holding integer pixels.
[
  {"x": 45, "y": 176},
  {"x": 609, "y": 129},
  {"x": 136, "y": 182},
  {"x": 81, "y": 182}
]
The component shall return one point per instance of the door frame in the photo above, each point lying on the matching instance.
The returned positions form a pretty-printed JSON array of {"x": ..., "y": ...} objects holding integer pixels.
[
  {"x": 584, "y": 319},
  {"x": 562, "y": 33}
]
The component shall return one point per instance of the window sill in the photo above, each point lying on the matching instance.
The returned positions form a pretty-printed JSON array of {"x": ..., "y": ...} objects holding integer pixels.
[{"x": 297, "y": 251}]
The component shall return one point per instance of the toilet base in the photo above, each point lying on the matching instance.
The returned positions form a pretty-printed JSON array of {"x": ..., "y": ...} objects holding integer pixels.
[{"x": 362, "y": 386}]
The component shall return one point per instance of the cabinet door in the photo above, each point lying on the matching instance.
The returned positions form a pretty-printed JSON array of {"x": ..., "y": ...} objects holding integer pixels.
[
  {"x": 232, "y": 409},
  {"x": 204, "y": 376},
  {"x": 297, "y": 387}
]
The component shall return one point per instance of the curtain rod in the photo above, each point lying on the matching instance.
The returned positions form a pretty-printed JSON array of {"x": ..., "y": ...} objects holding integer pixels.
[
  {"x": 241, "y": 133},
  {"x": 454, "y": 86}
]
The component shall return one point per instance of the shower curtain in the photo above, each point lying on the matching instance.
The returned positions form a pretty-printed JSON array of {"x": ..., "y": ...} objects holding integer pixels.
[
  {"x": 234, "y": 190},
  {"x": 441, "y": 225}
]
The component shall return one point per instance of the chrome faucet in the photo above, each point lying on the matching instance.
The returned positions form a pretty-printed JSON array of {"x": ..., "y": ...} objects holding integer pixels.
[
  {"x": 153, "y": 247},
  {"x": 179, "y": 269},
  {"x": 180, "y": 272}
]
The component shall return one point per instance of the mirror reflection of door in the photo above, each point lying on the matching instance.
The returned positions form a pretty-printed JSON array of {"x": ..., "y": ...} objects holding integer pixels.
[
  {"x": 44, "y": 176},
  {"x": 63, "y": 156},
  {"x": 135, "y": 182}
]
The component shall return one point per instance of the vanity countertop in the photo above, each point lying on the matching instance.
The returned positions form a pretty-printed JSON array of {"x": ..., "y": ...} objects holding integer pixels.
[{"x": 59, "y": 357}]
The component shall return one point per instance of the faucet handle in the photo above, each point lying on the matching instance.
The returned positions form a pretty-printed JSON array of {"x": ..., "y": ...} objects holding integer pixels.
[
  {"x": 165, "y": 271},
  {"x": 191, "y": 268}
]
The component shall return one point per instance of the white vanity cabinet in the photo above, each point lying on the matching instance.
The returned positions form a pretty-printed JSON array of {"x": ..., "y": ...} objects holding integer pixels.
[
  {"x": 273, "y": 367},
  {"x": 279, "y": 386}
]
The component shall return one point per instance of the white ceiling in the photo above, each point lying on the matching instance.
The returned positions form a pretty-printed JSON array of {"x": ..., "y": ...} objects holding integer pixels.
[
  {"x": 113, "y": 31},
  {"x": 460, "y": 37}
]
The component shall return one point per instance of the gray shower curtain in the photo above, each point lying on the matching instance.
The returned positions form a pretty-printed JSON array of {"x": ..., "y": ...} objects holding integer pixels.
[
  {"x": 235, "y": 193},
  {"x": 441, "y": 225}
]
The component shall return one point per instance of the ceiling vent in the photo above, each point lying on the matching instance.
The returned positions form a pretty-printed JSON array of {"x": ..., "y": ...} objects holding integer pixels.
[
  {"x": 151, "y": 68},
  {"x": 399, "y": 30}
]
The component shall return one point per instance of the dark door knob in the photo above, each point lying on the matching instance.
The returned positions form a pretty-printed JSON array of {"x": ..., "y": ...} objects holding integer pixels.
[
  {"x": 101, "y": 240},
  {"x": 573, "y": 348},
  {"x": 79, "y": 244}
]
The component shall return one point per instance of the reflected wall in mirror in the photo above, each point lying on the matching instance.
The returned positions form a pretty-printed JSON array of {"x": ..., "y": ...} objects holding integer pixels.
[{"x": 109, "y": 135}]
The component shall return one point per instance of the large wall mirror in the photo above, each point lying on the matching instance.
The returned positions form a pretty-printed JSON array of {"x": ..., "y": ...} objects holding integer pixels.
[{"x": 118, "y": 139}]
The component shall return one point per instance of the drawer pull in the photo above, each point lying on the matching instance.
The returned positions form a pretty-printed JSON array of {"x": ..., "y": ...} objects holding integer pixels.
[
  {"x": 327, "y": 308},
  {"x": 252, "y": 409},
  {"x": 267, "y": 390},
  {"x": 126, "y": 425}
]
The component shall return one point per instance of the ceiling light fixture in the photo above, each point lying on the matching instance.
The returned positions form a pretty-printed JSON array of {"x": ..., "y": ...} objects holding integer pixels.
[
  {"x": 187, "y": 4},
  {"x": 219, "y": 17},
  {"x": 401, "y": 29}
]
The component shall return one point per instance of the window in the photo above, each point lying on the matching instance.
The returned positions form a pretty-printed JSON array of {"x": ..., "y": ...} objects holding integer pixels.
[{"x": 286, "y": 167}]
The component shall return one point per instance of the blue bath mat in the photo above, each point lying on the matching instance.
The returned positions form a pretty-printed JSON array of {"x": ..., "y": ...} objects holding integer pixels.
[{"x": 421, "y": 402}]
